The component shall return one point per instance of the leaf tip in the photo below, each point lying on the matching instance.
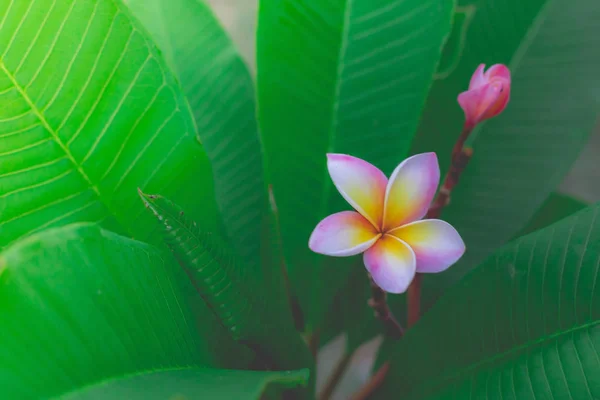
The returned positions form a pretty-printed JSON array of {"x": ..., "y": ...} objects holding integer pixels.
[{"x": 149, "y": 201}]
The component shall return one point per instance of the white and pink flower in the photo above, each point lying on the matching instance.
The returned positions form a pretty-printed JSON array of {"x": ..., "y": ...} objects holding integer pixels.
[{"x": 387, "y": 223}]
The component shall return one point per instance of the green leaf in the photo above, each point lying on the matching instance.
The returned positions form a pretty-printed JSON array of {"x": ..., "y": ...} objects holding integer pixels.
[
  {"x": 346, "y": 76},
  {"x": 212, "y": 267},
  {"x": 524, "y": 325},
  {"x": 235, "y": 295},
  {"x": 522, "y": 155},
  {"x": 79, "y": 304},
  {"x": 88, "y": 113},
  {"x": 221, "y": 95},
  {"x": 209, "y": 384},
  {"x": 555, "y": 208}
]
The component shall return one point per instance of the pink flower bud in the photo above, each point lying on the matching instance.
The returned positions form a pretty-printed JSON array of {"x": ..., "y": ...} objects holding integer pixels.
[{"x": 488, "y": 94}]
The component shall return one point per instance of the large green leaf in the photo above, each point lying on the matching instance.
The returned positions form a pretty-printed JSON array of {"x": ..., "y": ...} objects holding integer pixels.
[
  {"x": 524, "y": 325},
  {"x": 211, "y": 265},
  {"x": 221, "y": 94},
  {"x": 207, "y": 384},
  {"x": 522, "y": 155},
  {"x": 347, "y": 76},
  {"x": 88, "y": 113},
  {"x": 79, "y": 304}
]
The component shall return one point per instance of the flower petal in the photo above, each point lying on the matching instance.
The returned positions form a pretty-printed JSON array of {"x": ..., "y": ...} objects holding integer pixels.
[
  {"x": 476, "y": 102},
  {"x": 501, "y": 95},
  {"x": 488, "y": 94},
  {"x": 343, "y": 234},
  {"x": 411, "y": 189},
  {"x": 437, "y": 245},
  {"x": 478, "y": 78},
  {"x": 391, "y": 263},
  {"x": 498, "y": 71},
  {"x": 360, "y": 183}
]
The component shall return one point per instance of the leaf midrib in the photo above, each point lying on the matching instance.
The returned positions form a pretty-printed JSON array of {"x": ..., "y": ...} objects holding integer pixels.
[
  {"x": 336, "y": 102},
  {"x": 54, "y": 135},
  {"x": 334, "y": 117},
  {"x": 497, "y": 357}
]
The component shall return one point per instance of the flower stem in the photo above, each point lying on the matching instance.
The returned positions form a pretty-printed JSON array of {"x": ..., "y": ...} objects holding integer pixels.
[
  {"x": 378, "y": 302},
  {"x": 313, "y": 342},
  {"x": 459, "y": 160},
  {"x": 373, "y": 384},
  {"x": 413, "y": 300}
]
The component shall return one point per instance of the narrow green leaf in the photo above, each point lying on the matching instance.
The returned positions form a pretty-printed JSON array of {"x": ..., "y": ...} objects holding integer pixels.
[
  {"x": 524, "y": 325},
  {"x": 347, "y": 76},
  {"x": 555, "y": 208},
  {"x": 88, "y": 113},
  {"x": 79, "y": 304},
  {"x": 212, "y": 266},
  {"x": 522, "y": 155},
  {"x": 234, "y": 294},
  {"x": 209, "y": 384},
  {"x": 221, "y": 94}
]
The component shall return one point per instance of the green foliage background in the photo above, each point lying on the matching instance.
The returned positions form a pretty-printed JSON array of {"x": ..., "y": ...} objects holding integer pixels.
[{"x": 102, "y": 298}]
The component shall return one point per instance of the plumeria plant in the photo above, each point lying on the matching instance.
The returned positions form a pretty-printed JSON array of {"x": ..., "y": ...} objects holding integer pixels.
[{"x": 173, "y": 225}]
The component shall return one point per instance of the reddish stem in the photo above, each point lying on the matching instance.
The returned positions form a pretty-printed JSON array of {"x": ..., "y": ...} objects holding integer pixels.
[
  {"x": 378, "y": 302},
  {"x": 373, "y": 384},
  {"x": 414, "y": 300},
  {"x": 459, "y": 160}
]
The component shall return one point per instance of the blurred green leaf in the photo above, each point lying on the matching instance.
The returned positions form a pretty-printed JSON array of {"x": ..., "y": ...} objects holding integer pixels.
[
  {"x": 338, "y": 76},
  {"x": 88, "y": 113},
  {"x": 522, "y": 155},
  {"x": 79, "y": 305},
  {"x": 221, "y": 95},
  {"x": 524, "y": 325},
  {"x": 555, "y": 208},
  {"x": 206, "y": 384}
]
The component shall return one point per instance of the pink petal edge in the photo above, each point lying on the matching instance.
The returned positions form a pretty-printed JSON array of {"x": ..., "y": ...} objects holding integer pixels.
[
  {"x": 360, "y": 183},
  {"x": 437, "y": 244},
  {"x": 479, "y": 78},
  {"x": 343, "y": 234},
  {"x": 498, "y": 71},
  {"x": 411, "y": 190}
]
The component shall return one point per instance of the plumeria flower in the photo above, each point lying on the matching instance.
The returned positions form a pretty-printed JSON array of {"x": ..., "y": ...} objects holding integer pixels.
[
  {"x": 386, "y": 225},
  {"x": 488, "y": 94}
]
